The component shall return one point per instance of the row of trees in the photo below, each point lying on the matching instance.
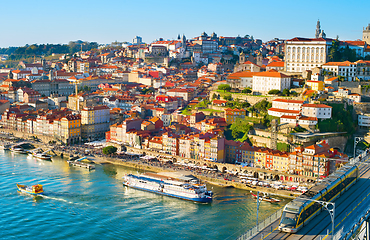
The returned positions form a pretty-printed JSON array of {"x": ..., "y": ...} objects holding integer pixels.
[
  {"x": 47, "y": 49},
  {"x": 286, "y": 92}
]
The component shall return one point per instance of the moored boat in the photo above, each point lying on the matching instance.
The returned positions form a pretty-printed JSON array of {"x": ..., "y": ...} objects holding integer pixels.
[
  {"x": 265, "y": 197},
  {"x": 190, "y": 190},
  {"x": 34, "y": 189},
  {"x": 5, "y": 147},
  {"x": 19, "y": 150},
  {"x": 42, "y": 156}
]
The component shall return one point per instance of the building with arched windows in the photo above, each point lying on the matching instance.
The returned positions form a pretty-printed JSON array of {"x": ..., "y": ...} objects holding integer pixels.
[{"x": 302, "y": 54}]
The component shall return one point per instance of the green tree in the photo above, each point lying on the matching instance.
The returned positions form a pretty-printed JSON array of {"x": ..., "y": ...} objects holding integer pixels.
[
  {"x": 341, "y": 120},
  {"x": 224, "y": 87},
  {"x": 245, "y": 104},
  {"x": 286, "y": 92},
  {"x": 109, "y": 150},
  {"x": 227, "y": 97},
  {"x": 274, "y": 92},
  {"x": 246, "y": 90},
  {"x": 341, "y": 78},
  {"x": 263, "y": 106},
  {"x": 214, "y": 96},
  {"x": 229, "y": 104},
  {"x": 334, "y": 53}
]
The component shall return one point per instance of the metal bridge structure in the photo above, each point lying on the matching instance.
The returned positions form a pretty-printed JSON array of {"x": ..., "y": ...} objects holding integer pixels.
[{"x": 351, "y": 218}]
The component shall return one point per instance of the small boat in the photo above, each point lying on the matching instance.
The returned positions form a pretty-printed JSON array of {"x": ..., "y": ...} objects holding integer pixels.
[
  {"x": 5, "y": 147},
  {"x": 19, "y": 150},
  {"x": 265, "y": 197},
  {"x": 73, "y": 158},
  {"x": 42, "y": 156},
  {"x": 34, "y": 189}
]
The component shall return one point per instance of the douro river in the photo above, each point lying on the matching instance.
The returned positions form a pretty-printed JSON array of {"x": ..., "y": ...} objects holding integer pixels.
[{"x": 83, "y": 204}]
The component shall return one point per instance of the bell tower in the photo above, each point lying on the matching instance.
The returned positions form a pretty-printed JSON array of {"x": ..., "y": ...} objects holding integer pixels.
[
  {"x": 318, "y": 29},
  {"x": 366, "y": 34}
]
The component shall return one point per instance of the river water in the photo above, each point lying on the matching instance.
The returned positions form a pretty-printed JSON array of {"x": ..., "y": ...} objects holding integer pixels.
[{"x": 83, "y": 204}]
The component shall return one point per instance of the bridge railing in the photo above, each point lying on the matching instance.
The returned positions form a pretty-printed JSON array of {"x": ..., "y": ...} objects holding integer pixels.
[{"x": 267, "y": 221}]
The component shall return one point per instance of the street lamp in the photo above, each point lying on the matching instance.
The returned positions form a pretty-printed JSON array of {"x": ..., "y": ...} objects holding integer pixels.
[
  {"x": 357, "y": 140},
  {"x": 328, "y": 206},
  {"x": 258, "y": 206}
]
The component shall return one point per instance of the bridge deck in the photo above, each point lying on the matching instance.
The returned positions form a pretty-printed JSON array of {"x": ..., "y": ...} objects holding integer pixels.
[{"x": 348, "y": 207}]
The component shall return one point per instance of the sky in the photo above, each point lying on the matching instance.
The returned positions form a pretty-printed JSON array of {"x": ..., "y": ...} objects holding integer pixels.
[{"x": 44, "y": 21}]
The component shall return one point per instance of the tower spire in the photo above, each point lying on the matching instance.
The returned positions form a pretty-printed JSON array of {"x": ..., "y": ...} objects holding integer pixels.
[{"x": 318, "y": 29}]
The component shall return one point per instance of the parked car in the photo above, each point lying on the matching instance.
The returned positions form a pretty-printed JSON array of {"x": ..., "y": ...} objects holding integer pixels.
[
  {"x": 278, "y": 187},
  {"x": 302, "y": 189},
  {"x": 293, "y": 188},
  {"x": 254, "y": 183}
]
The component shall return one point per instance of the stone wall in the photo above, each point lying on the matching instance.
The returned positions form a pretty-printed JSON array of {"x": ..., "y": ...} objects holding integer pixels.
[
  {"x": 362, "y": 107},
  {"x": 262, "y": 141},
  {"x": 338, "y": 142},
  {"x": 45, "y": 139},
  {"x": 254, "y": 99}
]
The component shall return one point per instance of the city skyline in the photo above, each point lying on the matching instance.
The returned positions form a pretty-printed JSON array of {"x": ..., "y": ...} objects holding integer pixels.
[{"x": 117, "y": 21}]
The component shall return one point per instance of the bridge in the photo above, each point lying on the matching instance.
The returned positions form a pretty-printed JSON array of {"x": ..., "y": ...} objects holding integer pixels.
[{"x": 351, "y": 218}]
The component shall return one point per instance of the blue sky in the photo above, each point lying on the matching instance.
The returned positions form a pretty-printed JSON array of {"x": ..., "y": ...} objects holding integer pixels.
[{"x": 27, "y": 22}]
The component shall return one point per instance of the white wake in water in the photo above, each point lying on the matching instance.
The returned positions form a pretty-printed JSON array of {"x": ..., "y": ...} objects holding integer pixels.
[{"x": 62, "y": 200}]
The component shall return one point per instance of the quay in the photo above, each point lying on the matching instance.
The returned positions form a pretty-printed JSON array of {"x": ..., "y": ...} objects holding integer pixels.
[{"x": 222, "y": 178}]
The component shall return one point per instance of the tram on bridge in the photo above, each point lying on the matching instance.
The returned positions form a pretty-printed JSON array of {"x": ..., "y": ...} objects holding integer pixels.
[{"x": 301, "y": 210}]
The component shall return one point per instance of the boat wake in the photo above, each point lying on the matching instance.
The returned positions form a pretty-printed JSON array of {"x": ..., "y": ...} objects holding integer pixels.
[{"x": 61, "y": 199}]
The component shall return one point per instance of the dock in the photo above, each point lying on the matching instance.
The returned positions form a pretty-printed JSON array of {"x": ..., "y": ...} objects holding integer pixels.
[{"x": 81, "y": 164}]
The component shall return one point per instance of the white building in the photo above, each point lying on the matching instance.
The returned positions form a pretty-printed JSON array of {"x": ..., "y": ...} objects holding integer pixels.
[
  {"x": 364, "y": 120},
  {"x": 291, "y": 108},
  {"x": 363, "y": 69},
  {"x": 122, "y": 102},
  {"x": 346, "y": 69},
  {"x": 320, "y": 111},
  {"x": 285, "y": 107},
  {"x": 240, "y": 80},
  {"x": 287, "y": 104},
  {"x": 302, "y": 121},
  {"x": 263, "y": 82},
  {"x": 303, "y": 54},
  {"x": 278, "y": 112},
  {"x": 355, "y": 97}
]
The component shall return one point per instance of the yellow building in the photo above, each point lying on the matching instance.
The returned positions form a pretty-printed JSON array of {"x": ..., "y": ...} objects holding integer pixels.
[
  {"x": 248, "y": 153},
  {"x": 71, "y": 128},
  {"x": 87, "y": 115},
  {"x": 315, "y": 85},
  {"x": 260, "y": 157},
  {"x": 155, "y": 144},
  {"x": 233, "y": 114},
  {"x": 281, "y": 161}
]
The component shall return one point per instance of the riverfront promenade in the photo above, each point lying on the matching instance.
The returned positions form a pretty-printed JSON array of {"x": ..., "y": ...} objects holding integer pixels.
[{"x": 219, "y": 178}]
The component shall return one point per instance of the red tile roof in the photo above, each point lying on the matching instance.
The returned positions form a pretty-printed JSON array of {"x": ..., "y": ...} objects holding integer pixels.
[{"x": 287, "y": 100}]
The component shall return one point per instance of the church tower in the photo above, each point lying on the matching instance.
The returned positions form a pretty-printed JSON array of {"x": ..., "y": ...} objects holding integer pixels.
[
  {"x": 318, "y": 30},
  {"x": 366, "y": 34},
  {"x": 319, "y": 33},
  {"x": 183, "y": 41},
  {"x": 242, "y": 58}
]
